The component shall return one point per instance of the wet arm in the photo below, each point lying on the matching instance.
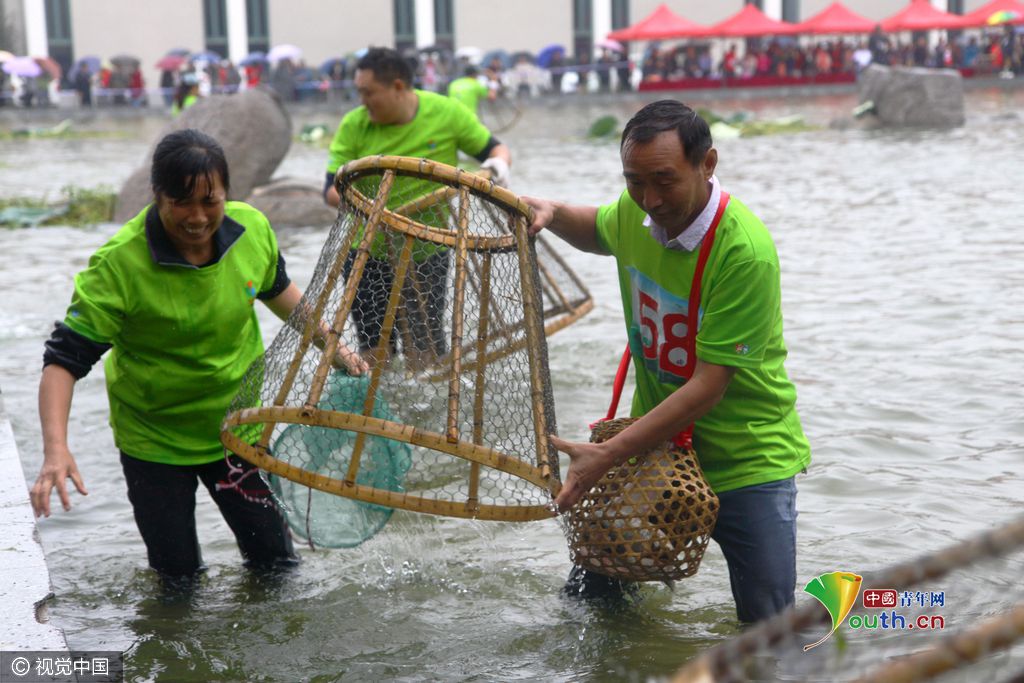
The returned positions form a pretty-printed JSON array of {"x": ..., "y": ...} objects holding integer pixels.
[
  {"x": 287, "y": 301},
  {"x": 577, "y": 225},
  {"x": 590, "y": 461},
  {"x": 55, "y": 391}
]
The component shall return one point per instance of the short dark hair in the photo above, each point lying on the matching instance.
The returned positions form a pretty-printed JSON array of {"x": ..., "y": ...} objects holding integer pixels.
[
  {"x": 386, "y": 65},
  {"x": 658, "y": 117},
  {"x": 470, "y": 71},
  {"x": 181, "y": 158}
]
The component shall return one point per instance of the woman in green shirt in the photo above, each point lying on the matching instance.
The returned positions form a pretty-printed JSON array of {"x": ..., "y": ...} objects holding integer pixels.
[{"x": 171, "y": 296}]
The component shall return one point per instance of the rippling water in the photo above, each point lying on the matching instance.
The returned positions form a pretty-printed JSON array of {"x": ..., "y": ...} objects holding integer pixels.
[{"x": 902, "y": 284}]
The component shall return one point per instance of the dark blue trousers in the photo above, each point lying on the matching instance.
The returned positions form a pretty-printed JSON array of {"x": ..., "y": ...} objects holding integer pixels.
[{"x": 756, "y": 531}]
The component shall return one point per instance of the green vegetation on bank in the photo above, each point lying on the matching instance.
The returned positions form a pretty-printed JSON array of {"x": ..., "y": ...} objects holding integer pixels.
[
  {"x": 77, "y": 207},
  {"x": 741, "y": 124},
  {"x": 738, "y": 124},
  {"x": 316, "y": 135}
]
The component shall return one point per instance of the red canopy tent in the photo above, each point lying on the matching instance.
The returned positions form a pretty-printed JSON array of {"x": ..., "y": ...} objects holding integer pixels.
[
  {"x": 979, "y": 17},
  {"x": 836, "y": 18},
  {"x": 920, "y": 15},
  {"x": 750, "y": 21},
  {"x": 661, "y": 23}
]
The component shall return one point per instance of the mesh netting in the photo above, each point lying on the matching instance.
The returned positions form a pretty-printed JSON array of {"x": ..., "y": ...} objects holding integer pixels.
[
  {"x": 955, "y": 615},
  {"x": 429, "y": 273}
]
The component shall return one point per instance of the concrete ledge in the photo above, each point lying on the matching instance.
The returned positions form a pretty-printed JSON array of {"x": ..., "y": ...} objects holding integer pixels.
[{"x": 24, "y": 576}]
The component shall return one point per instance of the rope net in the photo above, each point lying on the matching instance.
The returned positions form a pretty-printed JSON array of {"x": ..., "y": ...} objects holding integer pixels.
[
  {"x": 430, "y": 276},
  {"x": 955, "y": 615}
]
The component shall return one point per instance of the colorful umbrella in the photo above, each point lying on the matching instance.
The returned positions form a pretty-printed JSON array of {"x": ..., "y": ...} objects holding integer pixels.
[
  {"x": 279, "y": 52},
  {"x": 91, "y": 63},
  {"x": 545, "y": 56},
  {"x": 610, "y": 44},
  {"x": 171, "y": 62},
  {"x": 1002, "y": 17},
  {"x": 503, "y": 58},
  {"x": 206, "y": 56},
  {"x": 328, "y": 66},
  {"x": 50, "y": 66},
  {"x": 25, "y": 67},
  {"x": 253, "y": 58},
  {"x": 126, "y": 61},
  {"x": 470, "y": 54}
]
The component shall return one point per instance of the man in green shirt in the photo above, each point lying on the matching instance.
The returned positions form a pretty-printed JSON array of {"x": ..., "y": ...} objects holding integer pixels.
[
  {"x": 469, "y": 90},
  {"x": 396, "y": 119},
  {"x": 739, "y": 399}
]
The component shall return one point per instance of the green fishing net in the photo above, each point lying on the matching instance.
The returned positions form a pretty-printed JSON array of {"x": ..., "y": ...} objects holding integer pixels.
[{"x": 324, "y": 518}]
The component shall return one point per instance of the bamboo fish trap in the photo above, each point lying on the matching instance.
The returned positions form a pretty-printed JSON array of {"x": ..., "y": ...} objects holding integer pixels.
[
  {"x": 430, "y": 273},
  {"x": 648, "y": 519}
]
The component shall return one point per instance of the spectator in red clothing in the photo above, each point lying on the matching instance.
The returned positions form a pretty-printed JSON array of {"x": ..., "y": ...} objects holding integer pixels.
[
  {"x": 253, "y": 75},
  {"x": 137, "y": 86}
]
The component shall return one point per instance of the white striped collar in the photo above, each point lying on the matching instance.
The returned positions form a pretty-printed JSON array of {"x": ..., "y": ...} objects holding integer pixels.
[{"x": 689, "y": 239}]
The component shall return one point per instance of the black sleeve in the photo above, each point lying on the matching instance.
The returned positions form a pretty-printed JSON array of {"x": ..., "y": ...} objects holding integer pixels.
[
  {"x": 486, "y": 151},
  {"x": 328, "y": 184},
  {"x": 72, "y": 351},
  {"x": 281, "y": 281}
]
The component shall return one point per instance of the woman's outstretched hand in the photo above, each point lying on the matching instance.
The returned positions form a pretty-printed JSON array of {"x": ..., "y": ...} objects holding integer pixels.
[{"x": 58, "y": 466}]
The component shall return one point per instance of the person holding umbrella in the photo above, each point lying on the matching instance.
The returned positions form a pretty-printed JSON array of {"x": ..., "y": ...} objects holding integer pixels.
[
  {"x": 23, "y": 70},
  {"x": 81, "y": 79}
]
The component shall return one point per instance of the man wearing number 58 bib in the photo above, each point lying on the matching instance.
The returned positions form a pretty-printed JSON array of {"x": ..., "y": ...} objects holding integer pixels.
[{"x": 739, "y": 399}]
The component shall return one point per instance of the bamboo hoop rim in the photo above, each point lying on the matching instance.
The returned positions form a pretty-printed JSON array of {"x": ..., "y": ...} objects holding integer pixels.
[
  {"x": 362, "y": 205},
  {"x": 376, "y": 496},
  {"x": 429, "y": 169},
  {"x": 396, "y": 431}
]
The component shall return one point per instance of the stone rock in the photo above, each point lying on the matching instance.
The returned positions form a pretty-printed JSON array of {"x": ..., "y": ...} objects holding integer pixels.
[
  {"x": 292, "y": 203},
  {"x": 254, "y": 129},
  {"x": 913, "y": 96}
]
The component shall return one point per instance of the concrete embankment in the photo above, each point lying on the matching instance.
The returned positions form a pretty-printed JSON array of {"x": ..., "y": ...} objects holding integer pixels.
[{"x": 24, "y": 576}]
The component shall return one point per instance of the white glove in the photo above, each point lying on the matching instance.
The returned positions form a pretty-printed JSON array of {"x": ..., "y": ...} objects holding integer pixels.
[{"x": 500, "y": 171}]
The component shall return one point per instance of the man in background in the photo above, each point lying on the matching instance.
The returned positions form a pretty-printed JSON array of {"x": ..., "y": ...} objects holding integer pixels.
[{"x": 396, "y": 119}]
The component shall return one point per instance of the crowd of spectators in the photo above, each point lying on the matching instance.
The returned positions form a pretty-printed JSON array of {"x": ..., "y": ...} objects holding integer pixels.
[
  {"x": 993, "y": 52},
  {"x": 523, "y": 75}
]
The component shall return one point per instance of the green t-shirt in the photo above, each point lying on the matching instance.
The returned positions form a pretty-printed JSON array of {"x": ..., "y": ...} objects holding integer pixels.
[
  {"x": 182, "y": 337},
  {"x": 753, "y": 435},
  {"x": 439, "y": 130},
  {"x": 185, "y": 104},
  {"x": 469, "y": 91}
]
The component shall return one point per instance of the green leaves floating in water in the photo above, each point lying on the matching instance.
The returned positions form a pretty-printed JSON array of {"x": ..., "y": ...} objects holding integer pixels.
[
  {"x": 78, "y": 206},
  {"x": 604, "y": 127}
]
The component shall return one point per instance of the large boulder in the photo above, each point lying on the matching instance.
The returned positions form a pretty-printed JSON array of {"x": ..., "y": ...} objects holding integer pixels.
[
  {"x": 254, "y": 129},
  {"x": 291, "y": 203},
  {"x": 912, "y": 96}
]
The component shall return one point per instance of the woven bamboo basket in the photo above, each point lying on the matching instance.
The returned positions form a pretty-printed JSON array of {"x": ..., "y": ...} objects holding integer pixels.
[
  {"x": 463, "y": 386},
  {"x": 648, "y": 519}
]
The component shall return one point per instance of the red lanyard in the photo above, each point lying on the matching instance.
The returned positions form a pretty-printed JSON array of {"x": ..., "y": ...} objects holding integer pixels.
[{"x": 683, "y": 439}]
